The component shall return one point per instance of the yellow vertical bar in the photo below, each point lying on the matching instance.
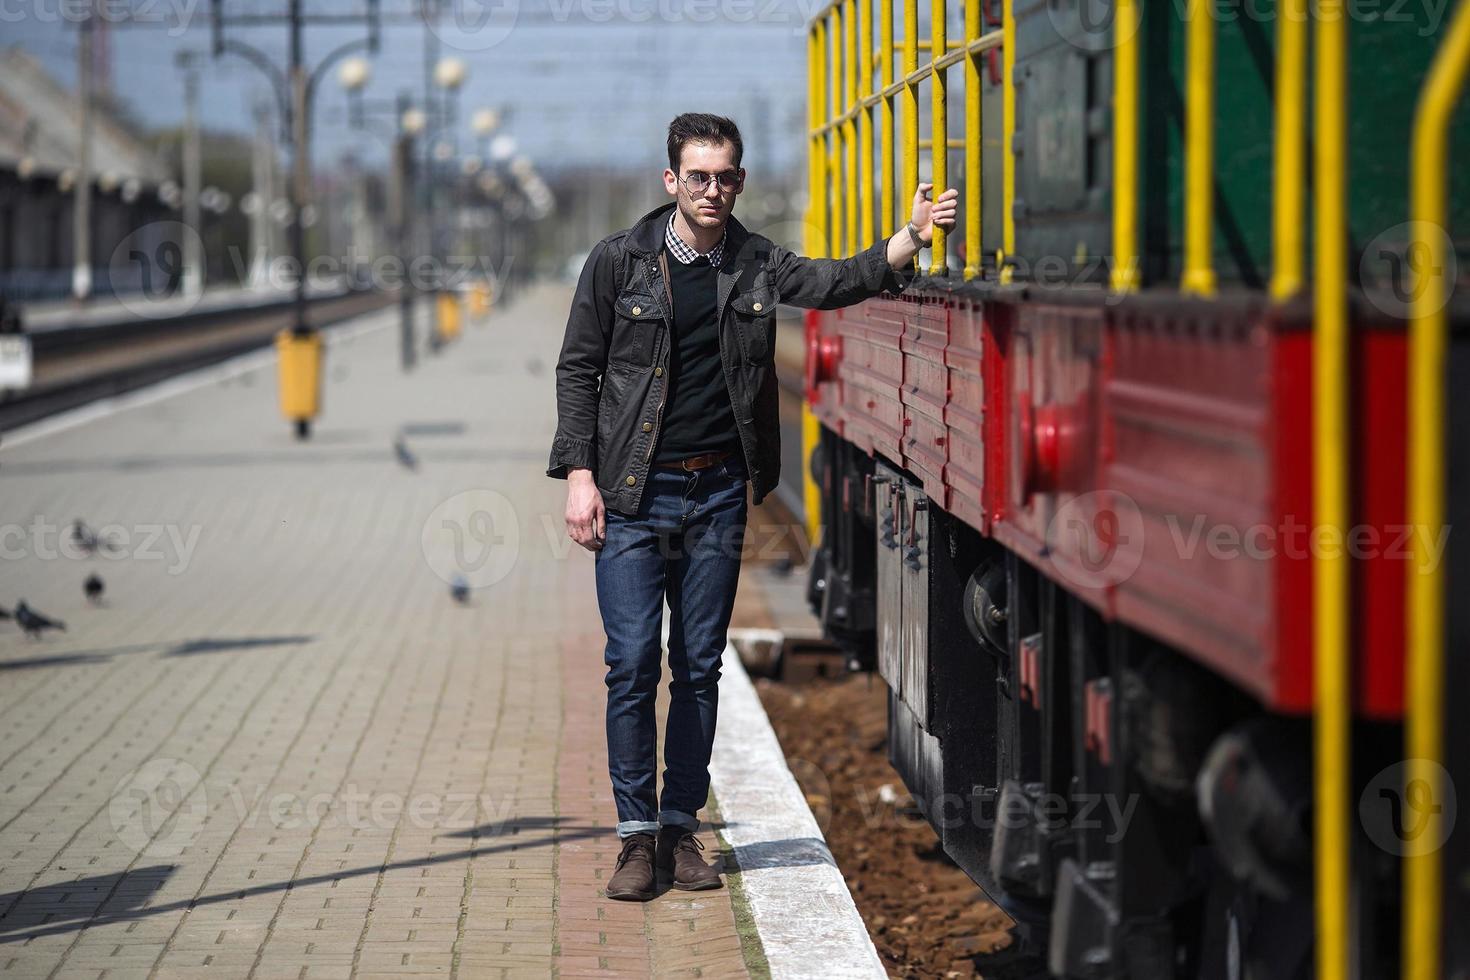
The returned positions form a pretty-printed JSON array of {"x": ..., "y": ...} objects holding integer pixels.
[
  {"x": 852, "y": 180},
  {"x": 1289, "y": 177},
  {"x": 834, "y": 145},
  {"x": 1008, "y": 138},
  {"x": 1428, "y": 350},
  {"x": 1331, "y": 654},
  {"x": 818, "y": 85},
  {"x": 1199, "y": 150},
  {"x": 939, "y": 122},
  {"x": 1125, "y": 272},
  {"x": 811, "y": 494},
  {"x": 816, "y": 222},
  {"x": 865, "y": 118},
  {"x": 886, "y": 223},
  {"x": 974, "y": 141},
  {"x": 910, "y": 107}
]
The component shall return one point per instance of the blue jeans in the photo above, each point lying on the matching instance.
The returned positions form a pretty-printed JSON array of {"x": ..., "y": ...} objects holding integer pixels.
[{"x": 684, "y": 544}]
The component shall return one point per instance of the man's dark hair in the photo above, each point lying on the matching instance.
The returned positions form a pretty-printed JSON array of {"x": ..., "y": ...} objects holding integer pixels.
[{"x": 701, "y": 127}]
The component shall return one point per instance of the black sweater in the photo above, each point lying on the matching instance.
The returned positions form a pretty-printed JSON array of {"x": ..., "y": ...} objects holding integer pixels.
[{"x": 697, "y": 415}]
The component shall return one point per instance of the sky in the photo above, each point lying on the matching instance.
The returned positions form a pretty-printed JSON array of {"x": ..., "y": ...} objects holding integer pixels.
[{"x": 581, "y": 81}]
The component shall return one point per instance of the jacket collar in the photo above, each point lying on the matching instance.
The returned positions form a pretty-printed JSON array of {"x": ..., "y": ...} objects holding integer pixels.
[{"x": 647, "y": 235}]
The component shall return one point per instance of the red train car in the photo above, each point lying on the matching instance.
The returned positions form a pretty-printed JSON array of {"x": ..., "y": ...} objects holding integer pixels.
[{"x": 1084, "y": 524}]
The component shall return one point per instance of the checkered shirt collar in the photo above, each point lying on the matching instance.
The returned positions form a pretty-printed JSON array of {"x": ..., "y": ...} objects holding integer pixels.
[{"x": 685, "y": 253}]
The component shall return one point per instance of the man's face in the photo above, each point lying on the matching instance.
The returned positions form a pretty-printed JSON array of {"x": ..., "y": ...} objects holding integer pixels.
[{"x": 711, "y": 207}]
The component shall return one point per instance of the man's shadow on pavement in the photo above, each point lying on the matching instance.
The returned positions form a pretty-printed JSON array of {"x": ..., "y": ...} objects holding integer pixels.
[{"x": 122, "y": 896}]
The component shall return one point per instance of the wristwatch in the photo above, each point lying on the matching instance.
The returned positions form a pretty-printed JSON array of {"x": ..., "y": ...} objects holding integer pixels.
[{"x": 914, "y": 234}]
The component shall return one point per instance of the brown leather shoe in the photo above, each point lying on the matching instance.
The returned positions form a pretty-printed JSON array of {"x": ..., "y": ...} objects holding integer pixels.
[
  {"x": 633, "y": 877},
  {"x": 680, "y": 861}
]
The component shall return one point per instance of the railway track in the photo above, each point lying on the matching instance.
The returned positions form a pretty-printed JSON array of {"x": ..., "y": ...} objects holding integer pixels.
[{"x": 74, "y": 366}]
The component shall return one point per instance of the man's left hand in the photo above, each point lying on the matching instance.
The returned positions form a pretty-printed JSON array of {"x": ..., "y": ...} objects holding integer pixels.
[{"x": 940, "y": 211}]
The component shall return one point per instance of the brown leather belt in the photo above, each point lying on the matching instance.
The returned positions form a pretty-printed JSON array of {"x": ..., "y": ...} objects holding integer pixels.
[{"x": 695, "y": 462}]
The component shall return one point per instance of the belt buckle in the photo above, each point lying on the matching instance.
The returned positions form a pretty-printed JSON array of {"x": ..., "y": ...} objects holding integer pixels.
[{"x": 691, "y": 464}]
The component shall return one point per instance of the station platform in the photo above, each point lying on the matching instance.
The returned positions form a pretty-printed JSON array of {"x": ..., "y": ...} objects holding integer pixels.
[{"x": 278, "y": 745}]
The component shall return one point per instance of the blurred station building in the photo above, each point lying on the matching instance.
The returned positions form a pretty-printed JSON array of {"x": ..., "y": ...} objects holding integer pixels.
[{"x": 40, "y": 132}]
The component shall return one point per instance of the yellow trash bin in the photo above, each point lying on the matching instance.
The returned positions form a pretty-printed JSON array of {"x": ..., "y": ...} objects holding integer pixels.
[
  {"x": 449, "y": 325},
  {"x": 300, "y": 375}
]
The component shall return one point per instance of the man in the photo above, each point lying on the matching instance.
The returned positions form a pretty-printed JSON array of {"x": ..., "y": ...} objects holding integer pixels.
[{"x": 667, "y": 408}]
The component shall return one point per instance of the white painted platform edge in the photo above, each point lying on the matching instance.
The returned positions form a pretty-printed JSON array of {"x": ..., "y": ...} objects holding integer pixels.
[
  {"x": 808, "y": 924},
  {"x": 180, "y": 384}
]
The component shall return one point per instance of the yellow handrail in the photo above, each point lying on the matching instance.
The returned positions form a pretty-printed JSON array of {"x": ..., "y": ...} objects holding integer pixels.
[
  {"x": 1199, "y": 150},
  {"x": 1289, "y": 175},
  {"x": 865, "y": 118},
  {"x": 974, "y": 142},
  {"x": 910, "y": 87},
  {"x": 913, "y": 76},
  {"x": 1428, "y": 349},
  {"x": 816, "y": 95},
  {"x": 1331, "y": 657},
  {"x": 816, "y": 227},
  {"x": 834, "y": 146},
  {"x": 842, "y": 141},
  {"x": 885, "y": 38},
  {"x": 852, "y": 179},
  {"x": 1124, "y": 271},
  {"x": 1008, "y": 136},
  {"x": 939, "y": 123}
]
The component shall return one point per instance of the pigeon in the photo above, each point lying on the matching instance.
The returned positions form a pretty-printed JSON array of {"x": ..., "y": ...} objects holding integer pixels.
[
  {"x": 460, "y": 589},
  {"x": 5, "y": 613},
  {"x": 93, "y": 587},
  {"x": 405, "y": 458},
  {"x": 33, "y": 622},
  {"x": 89, "y": 540}
]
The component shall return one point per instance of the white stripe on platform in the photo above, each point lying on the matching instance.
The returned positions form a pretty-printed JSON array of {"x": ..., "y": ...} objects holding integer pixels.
[
  {"x": 802, "y": 909},
  {"x": 183, "y": 383}
]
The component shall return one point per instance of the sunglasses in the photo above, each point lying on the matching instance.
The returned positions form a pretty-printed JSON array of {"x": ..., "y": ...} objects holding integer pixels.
[{"x": 697, "y": 180}]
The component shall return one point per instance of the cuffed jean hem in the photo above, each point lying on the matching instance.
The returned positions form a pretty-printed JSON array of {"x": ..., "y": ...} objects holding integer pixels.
[
  {"x": 676, "y": 818},
  {"x": 626, "y": 828}
]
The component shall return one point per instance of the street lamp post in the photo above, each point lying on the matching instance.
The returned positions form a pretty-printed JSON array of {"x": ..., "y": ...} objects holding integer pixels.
[
  {"x": 194, "y": 274},
  {"x": 81, "y": 273},
  {"x": 408, "y": 123},
  {"x": 484, "y": 122},
  {"x": 402, "y": 225},
  {"x": 449, "y": 75},
  {"x": 294, "y": 90}
]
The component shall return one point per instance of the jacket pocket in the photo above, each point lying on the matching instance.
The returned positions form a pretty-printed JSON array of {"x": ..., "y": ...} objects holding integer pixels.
[
  {"x": 625, "y": 393},
  {"x": 755, "y": 316},
  {"x": 634, "y": 328}
]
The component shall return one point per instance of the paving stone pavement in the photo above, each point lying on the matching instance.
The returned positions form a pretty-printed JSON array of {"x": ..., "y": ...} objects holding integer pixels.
[{"x": 279, "y": 748}]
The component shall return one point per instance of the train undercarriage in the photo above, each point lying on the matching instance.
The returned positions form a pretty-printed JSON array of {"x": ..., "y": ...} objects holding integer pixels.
[{"x": 1136, "y": 814}]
